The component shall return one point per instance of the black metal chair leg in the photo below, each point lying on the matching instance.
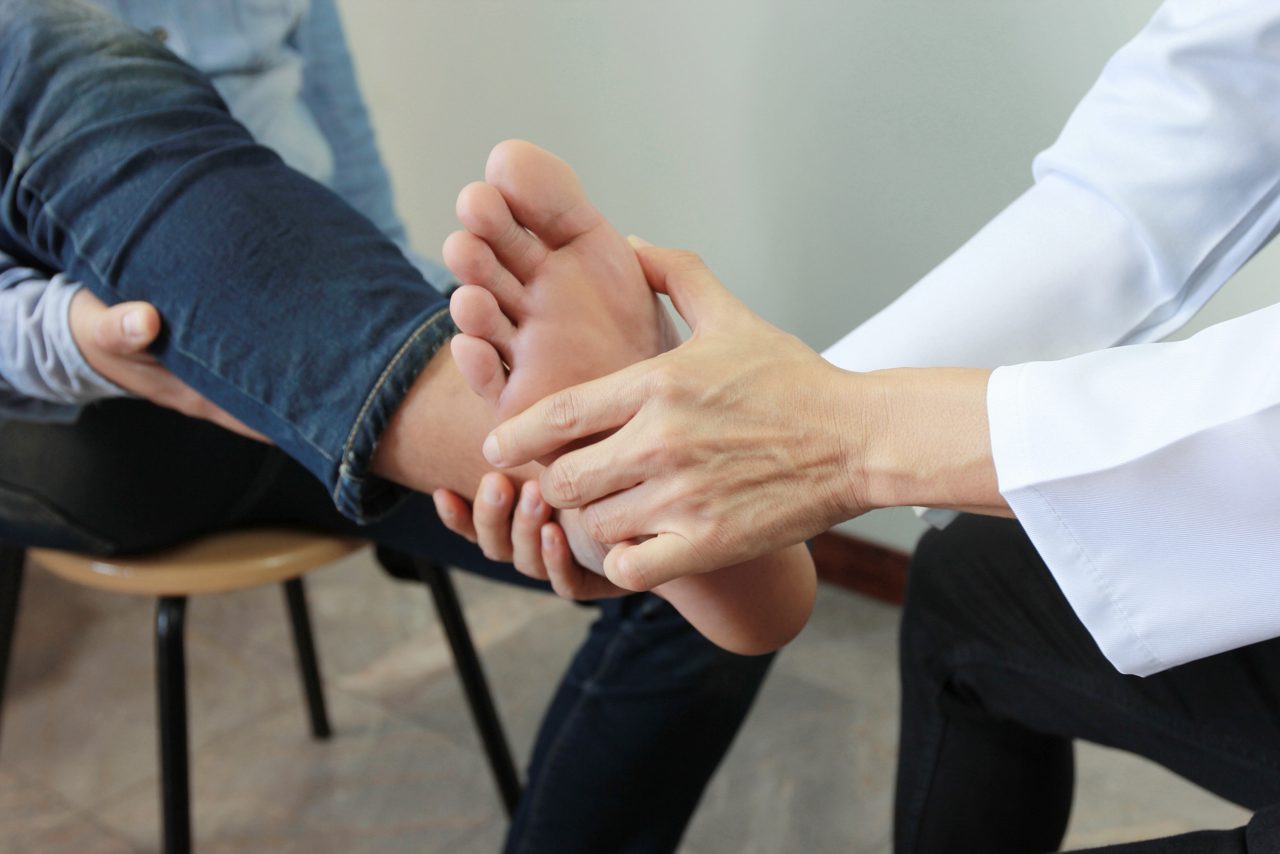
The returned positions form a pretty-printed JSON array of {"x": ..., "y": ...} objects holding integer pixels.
[
  {"x": 308, "y": 668},
  {"x": 11, "y": 563},
  {"x": 479, "y": 699},
  {"x": 171, "y": 693}
]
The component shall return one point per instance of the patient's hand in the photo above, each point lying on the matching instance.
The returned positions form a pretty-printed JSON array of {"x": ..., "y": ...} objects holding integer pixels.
[
  {"x": 114, "y": 342},
  {"x": 525, "y": 535}
]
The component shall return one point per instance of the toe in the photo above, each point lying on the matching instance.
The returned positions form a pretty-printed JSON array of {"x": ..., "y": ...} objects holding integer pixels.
[
  {"x": 476, "y": 313},
  {"x": 473, "y": 262},
  {"x": 483, "y": 211},
  {"x": 542, "y": 191},
  {"x": 480, "y": 366}
]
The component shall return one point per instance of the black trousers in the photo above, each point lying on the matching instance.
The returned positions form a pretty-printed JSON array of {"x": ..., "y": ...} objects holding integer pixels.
[{"x": 999, "y": 676}]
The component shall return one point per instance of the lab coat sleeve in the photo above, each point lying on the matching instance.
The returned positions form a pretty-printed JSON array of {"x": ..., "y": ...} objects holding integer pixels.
[{"x": 1143, "y": 474}]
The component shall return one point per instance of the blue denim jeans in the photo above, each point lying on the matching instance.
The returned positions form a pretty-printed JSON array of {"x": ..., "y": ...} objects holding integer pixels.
[{"x": 120, "y": 165}]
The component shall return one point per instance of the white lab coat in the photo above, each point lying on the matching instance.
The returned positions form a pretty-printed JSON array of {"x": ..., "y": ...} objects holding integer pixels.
[{"x": 1148, "y": 476}]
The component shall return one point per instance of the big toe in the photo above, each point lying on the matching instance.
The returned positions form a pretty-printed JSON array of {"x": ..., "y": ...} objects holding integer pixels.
[{"x": 542, "y": 191}]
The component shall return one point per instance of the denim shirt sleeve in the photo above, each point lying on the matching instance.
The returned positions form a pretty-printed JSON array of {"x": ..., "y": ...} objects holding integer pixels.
[
  {"x": 43, "y": 375},
  {"x": 332, "y": 95}
]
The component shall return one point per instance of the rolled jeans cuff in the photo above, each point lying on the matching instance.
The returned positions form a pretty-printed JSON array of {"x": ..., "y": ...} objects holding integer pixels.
[{"x": 357, "y": 492}]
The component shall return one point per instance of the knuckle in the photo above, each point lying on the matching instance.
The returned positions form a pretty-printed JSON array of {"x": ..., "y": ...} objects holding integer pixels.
[
  {"x": 666, "y": 382},
  {"x": 563, "y": 481},
  {"x": 716, "y": 536},
  {"x": 662, "y": 451},
  {"x": 600, "y": 524},
  {"x": 664, "y": 440},
  {"x": 565, "y": 411},
  {"x": 686, "y": 259}
]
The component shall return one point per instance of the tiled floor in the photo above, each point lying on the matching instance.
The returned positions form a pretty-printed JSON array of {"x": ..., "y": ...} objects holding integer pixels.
[{"x": 811, "y": 772}]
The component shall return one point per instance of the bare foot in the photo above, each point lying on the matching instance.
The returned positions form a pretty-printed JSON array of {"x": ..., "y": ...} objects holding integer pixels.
[{"x": 554, "y": 295}]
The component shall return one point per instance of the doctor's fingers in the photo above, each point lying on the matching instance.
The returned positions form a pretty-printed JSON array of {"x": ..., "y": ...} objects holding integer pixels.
[
  {"x": 617, "y": 462},
  {"x": 644, "y": 510},
  {"x": 666, "y": 557},
  {"x": 566, "y": 416}
]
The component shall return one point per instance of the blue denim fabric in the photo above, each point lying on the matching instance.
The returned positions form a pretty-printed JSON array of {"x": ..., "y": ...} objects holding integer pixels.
[{"x": 121, "y": 165}]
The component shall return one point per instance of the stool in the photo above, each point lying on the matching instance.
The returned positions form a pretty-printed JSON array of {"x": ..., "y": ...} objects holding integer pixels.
[{"x": 234, "y": 561}]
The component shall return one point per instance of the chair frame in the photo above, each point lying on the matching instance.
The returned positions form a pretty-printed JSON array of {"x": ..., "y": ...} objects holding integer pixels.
[{"x": 171, "y": 680}]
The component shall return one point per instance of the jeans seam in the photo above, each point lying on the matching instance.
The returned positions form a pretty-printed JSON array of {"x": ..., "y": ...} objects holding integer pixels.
[
  {"x": 386, "y": 372},
  {"x": 375, "y": 391},
  {"x": 557, "y": 747}
]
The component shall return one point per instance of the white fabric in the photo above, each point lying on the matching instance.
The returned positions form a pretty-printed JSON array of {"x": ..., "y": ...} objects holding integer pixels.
[{"x": 1149, "y": 476}]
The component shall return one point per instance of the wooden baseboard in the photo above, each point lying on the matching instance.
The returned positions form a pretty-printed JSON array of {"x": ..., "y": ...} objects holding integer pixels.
[{"x": 861, "y": 566}]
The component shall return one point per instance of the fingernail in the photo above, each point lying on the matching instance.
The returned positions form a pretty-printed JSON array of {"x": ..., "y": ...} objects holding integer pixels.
[
  {"x": 548, "y": 538},
  {"x": 492, "y": 494},
  {"x": 529, "y": 501},
  {"x": 490, "y": 450},
  {"x": 638, "y": 242},
  {"x": 135, "y": 323}
]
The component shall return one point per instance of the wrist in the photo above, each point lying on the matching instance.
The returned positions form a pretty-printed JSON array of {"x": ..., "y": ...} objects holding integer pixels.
[
  {"x": 927, "y": 441},
  {"x": 858, "y": 421}
]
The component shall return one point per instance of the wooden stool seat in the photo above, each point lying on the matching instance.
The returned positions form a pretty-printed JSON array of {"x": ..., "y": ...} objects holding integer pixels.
[{"x": 214, "y": 564}]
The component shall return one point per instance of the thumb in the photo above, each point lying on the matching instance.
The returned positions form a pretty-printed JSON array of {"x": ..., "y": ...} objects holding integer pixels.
[
  {"x": 657, "y": 560},
  {"x": 680, "y": 274},
  {"x": 128, "y": 328}
]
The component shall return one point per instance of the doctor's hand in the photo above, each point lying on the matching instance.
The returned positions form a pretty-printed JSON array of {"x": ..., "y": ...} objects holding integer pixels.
[
  {"x": 735, "y": 444},
  {"x": 114, "y": 342}
]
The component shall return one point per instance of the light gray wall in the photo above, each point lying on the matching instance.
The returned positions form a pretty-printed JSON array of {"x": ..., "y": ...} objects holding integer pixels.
[{"x": 821, "y": 154}]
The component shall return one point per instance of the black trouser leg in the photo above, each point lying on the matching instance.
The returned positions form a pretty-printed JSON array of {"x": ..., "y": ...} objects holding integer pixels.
[
  {"x": 171, "y": 693},
  {"x": 999, "y": 676},
  {"x": 11, "y": 567},
  {"x": 308, "y": 666}
]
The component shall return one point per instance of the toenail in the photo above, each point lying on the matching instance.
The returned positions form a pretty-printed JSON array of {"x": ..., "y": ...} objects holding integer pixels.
[
  {"x": 490, "y": 450},
  {"x": 529, "y": 502}
]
